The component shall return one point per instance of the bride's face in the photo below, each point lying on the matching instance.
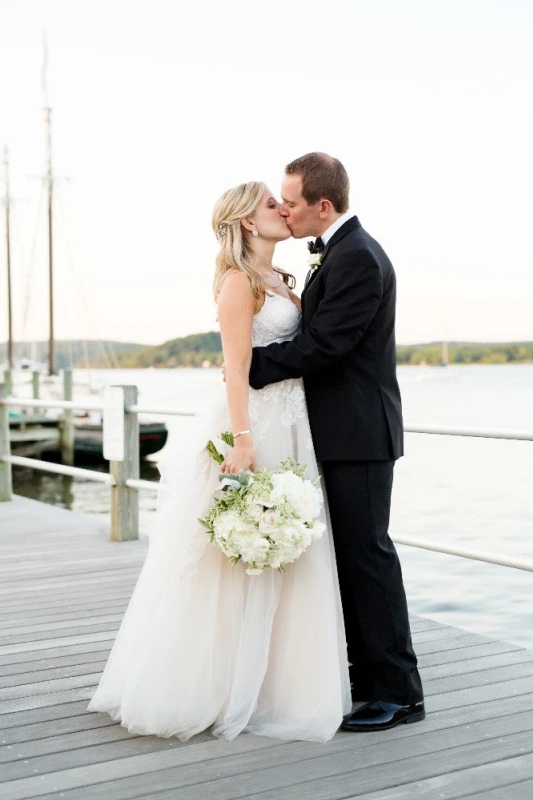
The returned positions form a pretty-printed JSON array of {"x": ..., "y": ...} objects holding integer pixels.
[{"x": 268, "y": 221}]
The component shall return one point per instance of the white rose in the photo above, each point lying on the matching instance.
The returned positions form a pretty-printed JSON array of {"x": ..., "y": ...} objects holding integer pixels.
[
  {"x": 255, "y": 511},
  {"x": 268, "y": 522}
]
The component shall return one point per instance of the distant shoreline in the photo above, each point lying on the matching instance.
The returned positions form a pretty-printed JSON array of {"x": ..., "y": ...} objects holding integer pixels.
[
  {"x": 411, "y": 366},
  {"x": 204, "y": 350}
]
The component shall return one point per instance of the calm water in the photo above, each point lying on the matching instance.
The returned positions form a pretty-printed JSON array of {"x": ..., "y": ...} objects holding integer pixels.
[{"x": 474, "y": 493}]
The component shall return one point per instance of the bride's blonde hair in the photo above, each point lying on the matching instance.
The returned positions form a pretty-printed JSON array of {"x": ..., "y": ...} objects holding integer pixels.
[{"x": 235, "y": 251}]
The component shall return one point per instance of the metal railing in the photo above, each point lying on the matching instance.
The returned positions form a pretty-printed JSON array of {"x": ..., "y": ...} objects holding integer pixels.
[{"x": 123, "y": 477}]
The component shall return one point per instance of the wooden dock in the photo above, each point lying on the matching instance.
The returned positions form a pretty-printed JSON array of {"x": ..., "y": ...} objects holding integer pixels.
[{"x": 64, "y": 587}]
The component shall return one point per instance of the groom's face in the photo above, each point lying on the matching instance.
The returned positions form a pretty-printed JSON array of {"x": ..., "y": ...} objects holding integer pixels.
[{"x": 302, "y": 219}]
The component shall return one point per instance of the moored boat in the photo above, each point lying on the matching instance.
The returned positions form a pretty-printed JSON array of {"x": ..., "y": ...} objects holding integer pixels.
[{"x": 39, "y": 436}]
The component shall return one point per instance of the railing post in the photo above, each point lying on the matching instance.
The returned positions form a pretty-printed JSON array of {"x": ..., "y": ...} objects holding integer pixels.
[
  {"x": 5, "y": 468},
  {"x": 125, "y": 501},
  {"x": 67, "y": 423},
  {"x": 35, "y": 377}
]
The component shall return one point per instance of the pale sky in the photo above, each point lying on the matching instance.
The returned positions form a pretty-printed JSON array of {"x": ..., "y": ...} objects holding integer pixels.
[{"x": 160, "y": 106}]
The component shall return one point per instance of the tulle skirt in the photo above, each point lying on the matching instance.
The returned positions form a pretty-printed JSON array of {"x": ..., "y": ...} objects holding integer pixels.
[{"x": 204, "y": 644}]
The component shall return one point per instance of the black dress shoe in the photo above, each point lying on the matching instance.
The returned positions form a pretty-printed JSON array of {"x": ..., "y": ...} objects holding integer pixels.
[{"x": 379, "y": 715}]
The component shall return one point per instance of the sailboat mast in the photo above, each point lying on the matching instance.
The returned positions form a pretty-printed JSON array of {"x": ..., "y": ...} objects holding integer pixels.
[
  {"x": 50, "y": 184},
  {"x": 8, "y": 259}
]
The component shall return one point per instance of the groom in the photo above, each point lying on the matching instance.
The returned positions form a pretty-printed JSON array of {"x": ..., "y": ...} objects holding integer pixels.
[{"x": 346, "y": 355}]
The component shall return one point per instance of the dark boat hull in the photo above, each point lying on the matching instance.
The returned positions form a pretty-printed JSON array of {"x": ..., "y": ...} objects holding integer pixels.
[
  {"x": 42, "y": 439},
  {"x": 88, "y": 440}
]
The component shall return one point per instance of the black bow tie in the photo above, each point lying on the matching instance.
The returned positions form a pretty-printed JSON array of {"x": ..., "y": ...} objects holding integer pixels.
[{"x": 316, "y": 247}]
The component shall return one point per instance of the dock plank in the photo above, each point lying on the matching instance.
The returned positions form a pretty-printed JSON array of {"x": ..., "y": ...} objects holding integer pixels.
[
  {"x": 212, "y": 779},
  {"x": 65, "y": 590}
]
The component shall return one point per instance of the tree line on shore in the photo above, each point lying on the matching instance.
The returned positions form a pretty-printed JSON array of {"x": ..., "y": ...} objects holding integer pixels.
[
  {"x": 466, "y": 353},
  {"x": 205, "y": 350}
]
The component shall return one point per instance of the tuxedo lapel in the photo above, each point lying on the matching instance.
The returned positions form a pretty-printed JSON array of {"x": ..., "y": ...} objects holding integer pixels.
[{"x": 350, "y": 225}]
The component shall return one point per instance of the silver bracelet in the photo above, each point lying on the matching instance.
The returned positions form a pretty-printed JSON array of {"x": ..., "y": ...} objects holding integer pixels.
[{"x": 241, "y": 433}]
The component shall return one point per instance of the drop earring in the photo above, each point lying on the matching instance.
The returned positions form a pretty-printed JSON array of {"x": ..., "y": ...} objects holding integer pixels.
[{"x": 255, "y": 232}]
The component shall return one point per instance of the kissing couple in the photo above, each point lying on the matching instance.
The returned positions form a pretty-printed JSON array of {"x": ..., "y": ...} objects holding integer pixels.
[{"x": 311, "y": 378}]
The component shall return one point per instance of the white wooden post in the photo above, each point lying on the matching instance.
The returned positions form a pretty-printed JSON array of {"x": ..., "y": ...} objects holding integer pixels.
[
  {"x": 67, "y": 423},
  {"x": 125, "y": 501},
  {"x": 5, "y": 468}
]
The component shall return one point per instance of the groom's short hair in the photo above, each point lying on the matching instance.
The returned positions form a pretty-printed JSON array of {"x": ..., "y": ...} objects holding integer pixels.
[{"x": 322, "y": 176}]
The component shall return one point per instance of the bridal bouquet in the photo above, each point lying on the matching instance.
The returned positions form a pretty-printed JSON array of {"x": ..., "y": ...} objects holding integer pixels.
[{"x": 264, "y": 519}]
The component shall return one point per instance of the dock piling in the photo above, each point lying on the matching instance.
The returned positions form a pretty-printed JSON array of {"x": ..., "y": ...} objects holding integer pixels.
[
  {"x": 8, "y": 381},
  {"x": 67, "y": 423},
  {"x": 5, "y": 467},
  {"x": 35, "y": 378},
  {"x": 124, "y": 500}
]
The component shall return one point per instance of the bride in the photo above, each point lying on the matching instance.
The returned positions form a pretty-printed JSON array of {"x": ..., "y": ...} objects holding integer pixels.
[{"x": 202, "y": 643}]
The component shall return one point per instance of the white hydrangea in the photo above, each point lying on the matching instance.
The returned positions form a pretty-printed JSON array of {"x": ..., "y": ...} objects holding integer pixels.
[
  {"x": 307, "y": 502},
  {"x": 286, "y": 487},
  {"x": 226, "y": 522},
  {"x": 316, "y": 530}
]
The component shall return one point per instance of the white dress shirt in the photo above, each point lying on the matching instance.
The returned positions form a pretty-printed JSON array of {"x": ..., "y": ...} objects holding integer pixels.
[{"x": 326, "y": 236}]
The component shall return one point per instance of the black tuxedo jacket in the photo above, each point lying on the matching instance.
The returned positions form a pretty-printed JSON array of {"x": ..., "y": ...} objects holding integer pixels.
[{"x": 346, "y": 352}]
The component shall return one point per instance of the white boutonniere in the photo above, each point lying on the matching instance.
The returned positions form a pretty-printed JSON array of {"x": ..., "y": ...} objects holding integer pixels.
[
  {"x": 315, "y": 260},
  {"x": 316, "y": 254}
]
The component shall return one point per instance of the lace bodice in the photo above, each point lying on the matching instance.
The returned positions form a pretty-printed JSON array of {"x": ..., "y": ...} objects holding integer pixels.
[{"x": 278, "y": 321}]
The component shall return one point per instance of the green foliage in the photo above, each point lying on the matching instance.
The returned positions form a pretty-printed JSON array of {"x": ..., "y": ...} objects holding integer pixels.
[
  {"x": 194, "y": 351},
  {"x": 206, "y": 348},
  {"x": 188, "y": 351},
  {"x": 70, "y": 353},
  {"x": 466, "y": 353},
  {"x": 290, "y": 465},
  {"x": 213, "y": 452},
  {"x": 227, "y": 437}
]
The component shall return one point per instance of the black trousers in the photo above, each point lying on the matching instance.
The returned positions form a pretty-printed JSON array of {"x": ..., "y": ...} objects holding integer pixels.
[{"x": 384, "y": 664}]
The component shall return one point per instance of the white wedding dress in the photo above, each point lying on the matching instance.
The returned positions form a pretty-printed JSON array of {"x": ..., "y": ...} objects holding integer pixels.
[{"x": 204, "y": 644}]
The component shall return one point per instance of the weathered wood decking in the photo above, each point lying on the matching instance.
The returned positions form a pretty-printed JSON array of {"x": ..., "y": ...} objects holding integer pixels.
[{"x": 64, "y": 588}]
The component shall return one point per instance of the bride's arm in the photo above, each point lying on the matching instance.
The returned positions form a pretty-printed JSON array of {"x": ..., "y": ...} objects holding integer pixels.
[{"x": 236, "y": 309}]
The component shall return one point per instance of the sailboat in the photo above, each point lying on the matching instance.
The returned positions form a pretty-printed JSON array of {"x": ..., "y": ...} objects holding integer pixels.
[{"x": 88, "y": 436}]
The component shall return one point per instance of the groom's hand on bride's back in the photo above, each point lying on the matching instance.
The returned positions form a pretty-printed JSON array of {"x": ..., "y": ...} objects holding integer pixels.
[{"x": 223, "y": 368}]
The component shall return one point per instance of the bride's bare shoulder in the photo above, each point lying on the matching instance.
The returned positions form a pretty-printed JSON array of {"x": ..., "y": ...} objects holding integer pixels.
[
  {"x": 236, "y": 292},
  {"x": 235, "y": 277}
]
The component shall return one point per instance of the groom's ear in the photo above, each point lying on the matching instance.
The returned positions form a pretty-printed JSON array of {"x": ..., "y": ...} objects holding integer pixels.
[{"x": 326, "y": 207}]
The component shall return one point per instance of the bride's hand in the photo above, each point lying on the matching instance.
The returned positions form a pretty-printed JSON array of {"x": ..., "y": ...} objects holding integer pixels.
[{"x": 241, "y": 457}]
